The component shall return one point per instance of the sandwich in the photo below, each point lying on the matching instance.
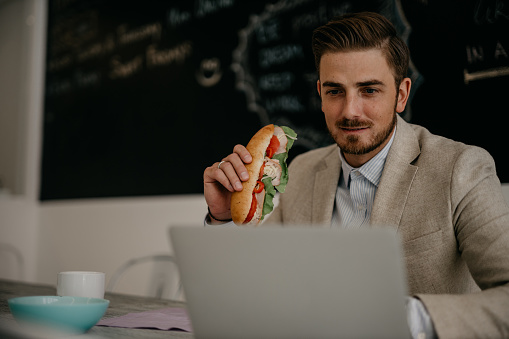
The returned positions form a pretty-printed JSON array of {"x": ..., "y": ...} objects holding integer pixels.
[{"x": 268, "y": 172}]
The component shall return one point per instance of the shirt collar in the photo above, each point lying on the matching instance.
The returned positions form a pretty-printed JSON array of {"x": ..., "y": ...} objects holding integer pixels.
[{"x": 372, "y": 170}]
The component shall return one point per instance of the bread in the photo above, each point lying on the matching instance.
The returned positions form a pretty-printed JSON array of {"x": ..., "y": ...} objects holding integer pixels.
[{"x": 257, "y": 146}]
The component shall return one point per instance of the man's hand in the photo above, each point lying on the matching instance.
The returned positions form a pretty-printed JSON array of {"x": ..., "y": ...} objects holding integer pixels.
[{"x": 222, "y": 179}]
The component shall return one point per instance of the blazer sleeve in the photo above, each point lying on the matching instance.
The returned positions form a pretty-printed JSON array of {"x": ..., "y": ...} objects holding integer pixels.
[{"x": 481, "y": 222}]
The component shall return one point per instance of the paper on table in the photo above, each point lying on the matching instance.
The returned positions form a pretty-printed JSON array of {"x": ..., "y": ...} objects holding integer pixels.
[{"x": 173, "y": 318}]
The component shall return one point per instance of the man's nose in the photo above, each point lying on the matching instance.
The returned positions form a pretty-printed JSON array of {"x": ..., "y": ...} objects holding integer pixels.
[{"x": 352, "y": 106}]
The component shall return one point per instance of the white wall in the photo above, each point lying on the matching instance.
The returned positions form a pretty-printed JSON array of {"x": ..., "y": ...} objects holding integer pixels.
[
  {"x": 101, "y": 234},
  {"x": 13, "y": 32},
  {"x": 19, "y": 231},
  {"x": 22, "y": 41}
]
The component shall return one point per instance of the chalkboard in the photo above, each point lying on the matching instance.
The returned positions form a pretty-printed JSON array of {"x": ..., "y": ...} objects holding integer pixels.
[{"x": 140, "y": 97}]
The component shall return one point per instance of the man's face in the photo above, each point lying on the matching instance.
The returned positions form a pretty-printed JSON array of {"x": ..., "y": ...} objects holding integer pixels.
[{"x": 360, "y": 101}]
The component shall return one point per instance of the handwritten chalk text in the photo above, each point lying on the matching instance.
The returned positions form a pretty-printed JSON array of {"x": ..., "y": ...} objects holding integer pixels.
[
  {"x": 279, "y": 55},
  {"x": 126, "y": 36},
  {"x": 177, "y": 54},
  {"x": 127, "y": 69}
]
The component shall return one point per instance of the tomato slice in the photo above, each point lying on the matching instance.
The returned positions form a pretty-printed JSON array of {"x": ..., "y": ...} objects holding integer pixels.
[
  {"x": 262, "y": 169},
  {"x": 273, "y": 146},
  {"x": 252, "y": 210},
  {"x": 259, "y": 187}
]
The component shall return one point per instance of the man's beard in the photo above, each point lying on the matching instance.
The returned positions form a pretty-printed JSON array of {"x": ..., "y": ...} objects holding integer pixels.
[{"x": 352, "y": 144}]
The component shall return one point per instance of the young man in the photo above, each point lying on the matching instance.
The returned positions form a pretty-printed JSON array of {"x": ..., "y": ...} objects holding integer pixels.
[{"x": 443, "y": 197}]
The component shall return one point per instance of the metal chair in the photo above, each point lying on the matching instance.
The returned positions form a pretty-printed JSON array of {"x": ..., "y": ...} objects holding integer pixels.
[
  {"x": 163, "y": 279},
  {"x": 11, "y": 262}
]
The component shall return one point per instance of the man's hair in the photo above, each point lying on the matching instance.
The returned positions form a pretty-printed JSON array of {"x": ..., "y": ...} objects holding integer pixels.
[{"x": 362, "y": 31}]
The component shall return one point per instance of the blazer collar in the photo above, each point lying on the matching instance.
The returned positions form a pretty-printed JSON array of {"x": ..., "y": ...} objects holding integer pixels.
[
  {"x": 397, "y": 177},
  {"x": 326, "y": 184}
]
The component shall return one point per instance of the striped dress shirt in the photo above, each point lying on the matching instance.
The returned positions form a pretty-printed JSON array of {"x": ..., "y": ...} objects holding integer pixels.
[{"x": 356, "y": 190}]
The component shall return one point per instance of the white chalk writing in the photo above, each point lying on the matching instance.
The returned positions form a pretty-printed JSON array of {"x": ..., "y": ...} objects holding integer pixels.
[
  {"x": 97, "y": 49},
  {"x": 500, "y": 52},
  {"x": 287, "y": 103},
  {"x": 207, "y": 7},
  {"x": 209, "y": 72},
  {"x": 268, "y": 31},
  {"x": 490, "y": 12},
  {"x": 57, "y": 87},
  {"x": 313, "y": 19},
  {"x": 175, "y": 17},
  {"x": 279, "y": 55},
  {"x": 177, "y": 54},
  {"x": 475, "y": 54},
  {"x": 86, "y": 79},
  {"x": 124, "y": 70},
  {"x": 276, "y": 81},
  {"x": 90, "y": 52},
  {"x": 126, "y": 36},
  {"x": 485, "y": 74},
  {"x": 59, "y": 63}
]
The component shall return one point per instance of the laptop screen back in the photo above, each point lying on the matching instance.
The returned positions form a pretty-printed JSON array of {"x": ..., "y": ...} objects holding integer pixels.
[{"x": 292, "y": 282}]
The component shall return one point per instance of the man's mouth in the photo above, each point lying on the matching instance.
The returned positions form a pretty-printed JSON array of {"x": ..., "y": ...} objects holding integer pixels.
[
  {"x": 352, "y": 125},
  {"x": 353, "y": 129}
]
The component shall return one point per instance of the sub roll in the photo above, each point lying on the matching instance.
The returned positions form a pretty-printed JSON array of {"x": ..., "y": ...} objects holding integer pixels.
[{"x": 268, "y": 172}]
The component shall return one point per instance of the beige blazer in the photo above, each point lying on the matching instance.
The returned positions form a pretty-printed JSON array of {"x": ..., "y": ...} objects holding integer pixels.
[{"x": 445, "y": 201}]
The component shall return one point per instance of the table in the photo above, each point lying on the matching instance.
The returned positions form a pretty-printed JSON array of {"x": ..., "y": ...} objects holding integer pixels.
[{"x": 119, "y": 305}]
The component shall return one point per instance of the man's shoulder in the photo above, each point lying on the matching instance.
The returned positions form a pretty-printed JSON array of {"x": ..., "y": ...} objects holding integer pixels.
[
  {"x": 428, "y": 141},
  {"x": 443, "y": 149}
]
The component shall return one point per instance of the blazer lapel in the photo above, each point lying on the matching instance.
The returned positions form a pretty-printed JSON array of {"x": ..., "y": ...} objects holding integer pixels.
[
  {"x": 397, "y": 177},
  {"x": 324, "y": 192}
]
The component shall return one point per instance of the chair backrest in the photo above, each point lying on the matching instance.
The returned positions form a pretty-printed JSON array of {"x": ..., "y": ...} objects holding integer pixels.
[
  {"x": 11, "y": 262},
  {"x": 160, "y": 277}
]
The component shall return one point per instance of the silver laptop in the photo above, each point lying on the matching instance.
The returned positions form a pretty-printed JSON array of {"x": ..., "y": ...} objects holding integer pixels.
[{"x": 292, "y": 282}]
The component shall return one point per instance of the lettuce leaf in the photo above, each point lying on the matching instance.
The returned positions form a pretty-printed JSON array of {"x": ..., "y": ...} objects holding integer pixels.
[
  {"x": 284, "y": 171},
  {"x": 270, "y": 193},
  {"x": 282, "y": 157},
  {"x": 291, "y": 135}
]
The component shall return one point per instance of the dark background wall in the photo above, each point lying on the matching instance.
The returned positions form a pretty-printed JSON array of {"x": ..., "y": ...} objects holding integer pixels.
[{"x": 141, "y": 96}]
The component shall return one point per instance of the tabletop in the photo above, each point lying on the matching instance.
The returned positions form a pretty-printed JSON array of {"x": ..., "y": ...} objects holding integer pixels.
[{"x": 120, "y": 304}]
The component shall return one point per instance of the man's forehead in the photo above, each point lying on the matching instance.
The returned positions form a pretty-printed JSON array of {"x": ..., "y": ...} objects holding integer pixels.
[{"x": 354, "y": 67}]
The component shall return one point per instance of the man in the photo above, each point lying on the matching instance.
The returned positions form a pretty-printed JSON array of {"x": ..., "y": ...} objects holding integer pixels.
[{"x": 443, "y": 197}]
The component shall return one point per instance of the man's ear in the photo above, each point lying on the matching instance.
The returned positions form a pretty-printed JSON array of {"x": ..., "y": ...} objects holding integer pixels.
[
  {"x": 319, "y": 88},
  {"x": 403, "y": 94}
]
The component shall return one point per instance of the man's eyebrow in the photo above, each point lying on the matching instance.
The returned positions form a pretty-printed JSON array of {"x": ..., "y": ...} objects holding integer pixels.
[
  {"x": 366, "y": 83},
  {"x": 373, "y": 82},
  {"x": 332, "y": 84}
]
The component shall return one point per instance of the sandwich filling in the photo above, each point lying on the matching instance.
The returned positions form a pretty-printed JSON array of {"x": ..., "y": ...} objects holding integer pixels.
[{"x": 273, "y": 173}]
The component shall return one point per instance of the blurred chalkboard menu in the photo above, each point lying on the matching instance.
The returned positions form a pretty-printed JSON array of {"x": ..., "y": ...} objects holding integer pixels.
[{"x": 141, "y": 96}]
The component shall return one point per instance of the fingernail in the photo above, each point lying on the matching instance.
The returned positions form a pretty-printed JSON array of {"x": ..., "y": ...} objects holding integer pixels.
[
  {"x": 244, "y": 176},
  {"x": 247, "y": 158},
  {"x": 238, "y": 186}
]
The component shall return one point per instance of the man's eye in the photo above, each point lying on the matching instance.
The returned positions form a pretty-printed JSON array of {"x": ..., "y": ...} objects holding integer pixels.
[
  {"x": 333, "y": 91},
  {"x": 370, "y": 90}
]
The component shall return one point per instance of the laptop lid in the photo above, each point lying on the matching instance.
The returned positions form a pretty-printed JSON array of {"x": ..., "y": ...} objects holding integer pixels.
[{"x": 292, "y": 282}]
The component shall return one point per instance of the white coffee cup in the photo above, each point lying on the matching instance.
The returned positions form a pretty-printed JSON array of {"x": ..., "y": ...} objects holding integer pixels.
[{"x": 80, "y": 284}]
